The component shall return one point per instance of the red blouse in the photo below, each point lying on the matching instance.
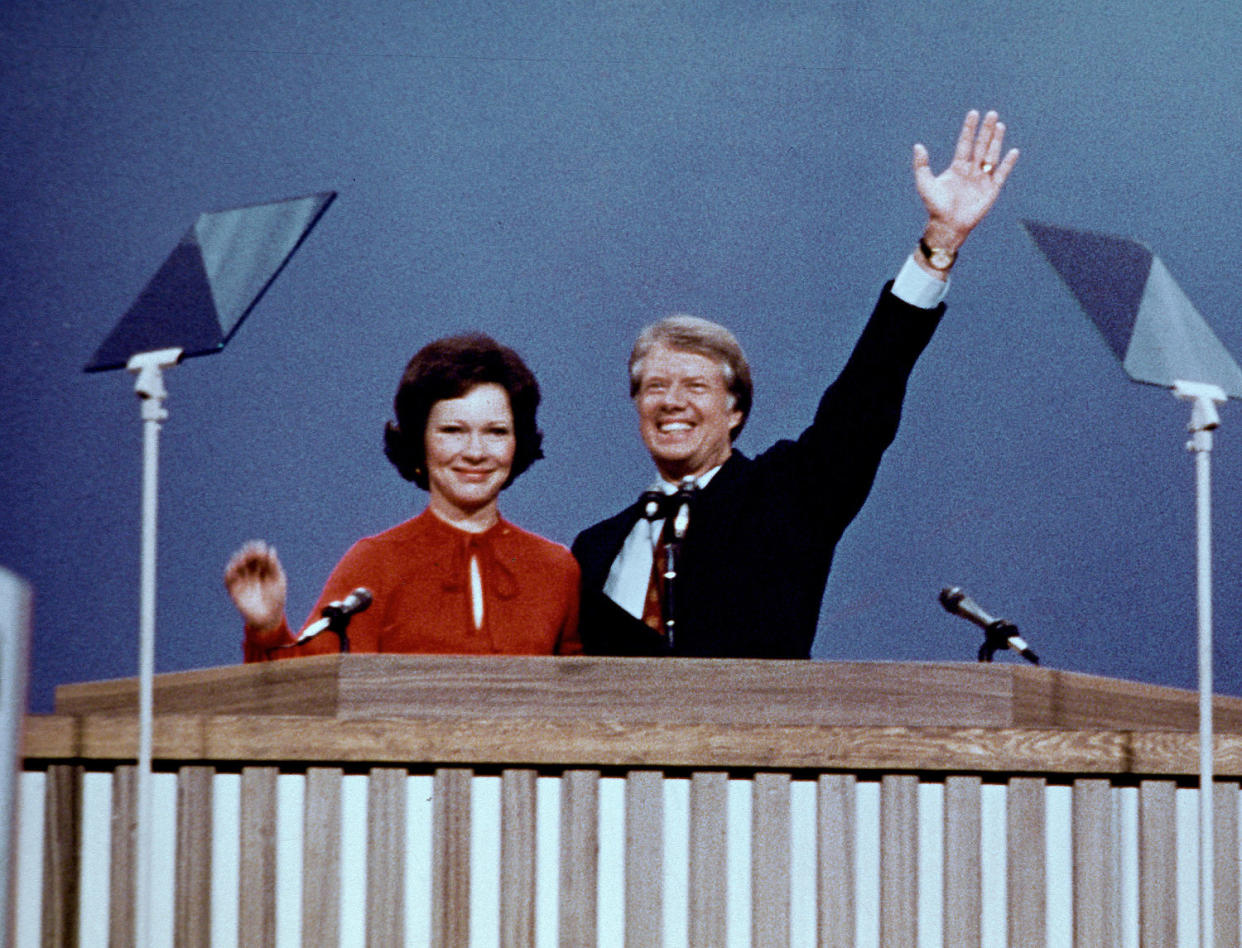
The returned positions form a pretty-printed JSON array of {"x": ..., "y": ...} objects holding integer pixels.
[{"x": 419, "y": 576}]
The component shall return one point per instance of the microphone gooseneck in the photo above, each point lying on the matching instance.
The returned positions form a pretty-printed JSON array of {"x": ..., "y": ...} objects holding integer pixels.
[{"x": 336, "y": 616}]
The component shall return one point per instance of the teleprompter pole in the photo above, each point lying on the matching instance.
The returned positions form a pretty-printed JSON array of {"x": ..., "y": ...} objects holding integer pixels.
[
  {"x": 1204, "y": 419},
  {"x": 149, "y": 387}
]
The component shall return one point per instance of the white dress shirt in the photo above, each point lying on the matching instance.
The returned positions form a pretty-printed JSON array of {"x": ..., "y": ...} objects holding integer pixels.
[{"x": 630, "y": 574}]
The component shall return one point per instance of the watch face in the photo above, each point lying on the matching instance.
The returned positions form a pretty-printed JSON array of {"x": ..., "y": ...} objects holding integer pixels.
[{"x": 938, "y": 257}]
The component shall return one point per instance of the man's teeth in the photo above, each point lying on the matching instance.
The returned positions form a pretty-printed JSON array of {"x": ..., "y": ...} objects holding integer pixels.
[{"x": 675, "y": 426}]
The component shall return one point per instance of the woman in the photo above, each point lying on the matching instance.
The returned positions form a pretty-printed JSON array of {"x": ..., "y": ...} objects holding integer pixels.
[{"x": 457, "y": 578}]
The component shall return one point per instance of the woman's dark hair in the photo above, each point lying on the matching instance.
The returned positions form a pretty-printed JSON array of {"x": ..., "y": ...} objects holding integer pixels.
[{"x": 449, "y": 368}]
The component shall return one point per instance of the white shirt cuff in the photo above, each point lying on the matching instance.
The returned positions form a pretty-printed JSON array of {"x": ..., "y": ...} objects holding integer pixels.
[{"x": 916, "y": 286}]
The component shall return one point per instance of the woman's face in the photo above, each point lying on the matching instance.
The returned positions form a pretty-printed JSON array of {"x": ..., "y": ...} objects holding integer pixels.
[{"x": 470, "y": 444}]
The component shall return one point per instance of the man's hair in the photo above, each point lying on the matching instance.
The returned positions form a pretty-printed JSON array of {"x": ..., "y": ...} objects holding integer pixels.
[
  {"x": 450, "y": 368},
  {"x": 702, "y": 337}
]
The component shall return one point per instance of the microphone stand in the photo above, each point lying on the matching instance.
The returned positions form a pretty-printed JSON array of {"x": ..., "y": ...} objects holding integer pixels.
[
  {"x": 675, "y": 533},
  {"x": 668, "y": 581},
  {"x": 339, "y": 623},
  {"x": 996, "y": 637}
]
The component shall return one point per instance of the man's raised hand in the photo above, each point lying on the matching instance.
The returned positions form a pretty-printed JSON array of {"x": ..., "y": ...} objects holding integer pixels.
[{"x": 960, "y": 197}]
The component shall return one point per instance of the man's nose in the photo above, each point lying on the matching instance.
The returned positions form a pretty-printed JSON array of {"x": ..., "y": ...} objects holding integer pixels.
[{"x": 673, "y": 397}]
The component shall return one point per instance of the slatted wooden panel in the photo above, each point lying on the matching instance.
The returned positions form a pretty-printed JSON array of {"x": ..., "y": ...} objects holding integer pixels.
[
  {"x": 644, "y": 859},
  {"x": 899, "y": 862},
  {"x": 62, "y": 825},
  {"x": 321, "y": 860},
  {"x": 962, "y": 882},
  {"x": 834, "y": 882},
  {"x": 1225, "y": 874},
  {"x": 1158, "y": 862},
  {"x": 709, "y": 802},
  {"x": 1096, "y": 888},
  {"x": 1095, "y": 863},
  {"x": 386, "y": 801},
  {"x": 192, "y": 888},
  {"x": 1026, "y": 864},
  {"x": 517, "y": 858},
  {"x": 122, "y": 858},
  {"x": 579, "y": 857},
  {"x": 450, "y": 872},
  {"x": 769, "y": 861},
  {"x": 256, "y": 906}
]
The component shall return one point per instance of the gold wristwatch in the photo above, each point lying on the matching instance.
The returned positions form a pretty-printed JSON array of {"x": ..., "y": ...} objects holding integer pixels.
[{"x": 937, "y": 257}]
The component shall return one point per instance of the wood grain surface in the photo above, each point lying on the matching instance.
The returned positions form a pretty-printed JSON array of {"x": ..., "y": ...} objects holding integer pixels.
[
  {"x": 241, "y": 739},
  {"x": 663, "y": 690}
]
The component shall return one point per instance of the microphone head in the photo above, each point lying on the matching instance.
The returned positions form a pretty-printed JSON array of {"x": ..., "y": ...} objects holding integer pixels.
[
  {"x": 951, "y": 597},
  {"x": 652, "y": 501},
  {"x": 681, "y": 521},
  {"x": 362, "y": 597}
]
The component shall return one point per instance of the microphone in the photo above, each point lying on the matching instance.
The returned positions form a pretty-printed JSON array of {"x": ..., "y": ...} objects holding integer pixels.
[
  {"x": 357, "y": 601},
  {"x": 336, "y": 615},
  {"x": 681, "y": 520},
  {"x": 1001, "y": 633},
  {"x": 653, "y": 504}
]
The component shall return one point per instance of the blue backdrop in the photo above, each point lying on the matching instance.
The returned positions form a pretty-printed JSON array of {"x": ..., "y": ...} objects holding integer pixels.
[{"x": 559, "y": 174}]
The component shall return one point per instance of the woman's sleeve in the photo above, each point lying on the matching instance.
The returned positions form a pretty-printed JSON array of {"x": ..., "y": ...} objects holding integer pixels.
[
  {"x": 357, "y": 567},
  {"x": 263, "y": 645}
]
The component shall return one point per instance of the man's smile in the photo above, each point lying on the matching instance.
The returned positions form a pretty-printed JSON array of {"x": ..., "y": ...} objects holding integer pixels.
[{"x": 665, "y": 427}]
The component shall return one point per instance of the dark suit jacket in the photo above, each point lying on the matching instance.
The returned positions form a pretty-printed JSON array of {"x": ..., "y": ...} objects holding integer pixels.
[{"x": 762, "y": 533}]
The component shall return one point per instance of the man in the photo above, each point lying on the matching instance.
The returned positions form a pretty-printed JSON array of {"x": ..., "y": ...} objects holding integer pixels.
[{"x": 753, "y": 554}]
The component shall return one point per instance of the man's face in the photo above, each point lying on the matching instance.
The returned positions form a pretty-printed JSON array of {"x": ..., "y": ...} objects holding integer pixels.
[{"x": 685, "y": 412}]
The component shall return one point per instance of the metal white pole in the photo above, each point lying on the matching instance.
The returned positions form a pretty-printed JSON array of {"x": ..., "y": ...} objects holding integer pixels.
[
  {"x": 1207, "y": 888},
  {"x": 1204, "y": 419},
  {"x": 16, "y": 600},
  {"x": 149, "y": 386}
]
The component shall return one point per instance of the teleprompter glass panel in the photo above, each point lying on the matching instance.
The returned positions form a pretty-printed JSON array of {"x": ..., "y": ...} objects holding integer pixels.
[
  {"x": 211, "y": 281},
  {"x": 1144, "y": 316}
]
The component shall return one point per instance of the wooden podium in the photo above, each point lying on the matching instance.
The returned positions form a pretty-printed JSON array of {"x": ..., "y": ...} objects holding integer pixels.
[{"x": 855, "y": 801}]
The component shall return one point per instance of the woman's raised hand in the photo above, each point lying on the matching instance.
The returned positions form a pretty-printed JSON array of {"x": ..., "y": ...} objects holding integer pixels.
[{"x": 256, "y": 582}]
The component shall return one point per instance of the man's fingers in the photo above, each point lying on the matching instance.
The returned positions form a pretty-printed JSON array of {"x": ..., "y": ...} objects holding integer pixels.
[
  {"x": 1006, "y": 166},
  {"x": 923, "y": 176},
  {"x": 966, "y": 138},
  {"x": 993, "y": 153},
  {"x": 983, "y": 141}
]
